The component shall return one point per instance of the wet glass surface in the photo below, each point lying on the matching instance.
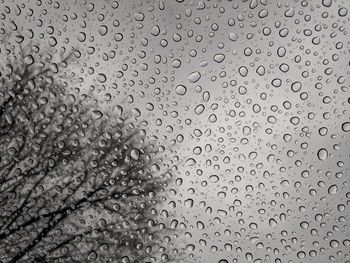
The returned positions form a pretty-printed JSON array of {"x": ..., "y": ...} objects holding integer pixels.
[{"x": 174, "y": 131}]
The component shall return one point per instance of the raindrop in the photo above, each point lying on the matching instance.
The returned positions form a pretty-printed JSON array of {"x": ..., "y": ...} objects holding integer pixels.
[
  {"x": 212, "y": 118},
  {"x": 346, "y": 126},
  {"x": 92, "y": 256},
  {"x": 233, "y": 36},
  {"x": 135, "y": 154},
  {"x": 139, "y": 16},
  {"x": 101, "y": 78},
  {"x": 28, "y": 60},
  {"x": 103, "y": 30},
  {"x": 281, "y": 51},
  {"x": 290, "y": 12},
  {"x": 263, "y": 13},
  {"x": 333, "y": 189},
  {"x": 97, "y": 114},
  {"x": 243, "y": 71},
  {"x": 296, "y": 86},
  {"x": 322, "y": 154},
  {"x": 260, "y": 70},
  {"x": 181, "y": 90},
  {"x": 118, "y": 37},
  {"x": 199, "y": 109},
  {"x": 190, "y": 162},
  {"x": 327, "y": 3},
  {"x": 342, "y": 11},
  {"x": 189, "y": 203},
  {"x": 194, "y": 76},
  {"x": 155, "y": 30},
  {"x": 219, "y": 58}
]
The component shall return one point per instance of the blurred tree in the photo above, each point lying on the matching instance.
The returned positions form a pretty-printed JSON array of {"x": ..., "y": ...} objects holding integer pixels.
[{"x": 76, "y": 184}]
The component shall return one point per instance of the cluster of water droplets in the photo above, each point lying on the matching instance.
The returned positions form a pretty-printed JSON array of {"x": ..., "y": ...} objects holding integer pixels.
[{"x": 254, "y": 96}]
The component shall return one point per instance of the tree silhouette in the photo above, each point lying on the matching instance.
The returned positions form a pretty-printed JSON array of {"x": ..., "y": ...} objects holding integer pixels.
[{"x": 76, "y": 184}]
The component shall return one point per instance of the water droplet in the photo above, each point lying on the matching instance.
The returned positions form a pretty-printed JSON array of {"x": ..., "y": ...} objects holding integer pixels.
[
  {"x": 263, "y": 13},
  {"x": 333, "y": 189},
  {"x": 189, "y": 203},
  {"x": 289, "y": 12},
  {"x": 92, "y": 256},
  {"x": 219, "y": 58},
  {"x": 233, "y": 36},
  {"x": 118, "y": 37},
  {"x": 346, "y": 126},
  {"x": 200, "y": 225},
  {"x": 139, "y": 16},
  {"x": 135, "y": 154},
  {"x": 342, "y": 11},
  {"x": 327, "y": 3},
  {"x": 199, "y": 109},
  {"x": 243, "y": 71},
  {"x": 97, "y": 114},
  {"x": 103, "y": 30},
  {"x": 181, "y": 90},
  {"x": 155, "y": 30},
  {"x": 322, "y": 154},
  {"x": 194, "y": 76},
  {"x": 190, "y": 162},
  {"x": 101, "y": 78},
  {"x": 296, "y": 86}
]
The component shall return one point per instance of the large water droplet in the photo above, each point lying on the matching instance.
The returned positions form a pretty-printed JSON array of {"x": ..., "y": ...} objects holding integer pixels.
[
  {"x": 333, "y": 189},
  {"x": 322, "y": 154},
  {"x": 194, "y": 76},
  {"x": 219, "y": 58},
  {"x": 181, "y": 90}
]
